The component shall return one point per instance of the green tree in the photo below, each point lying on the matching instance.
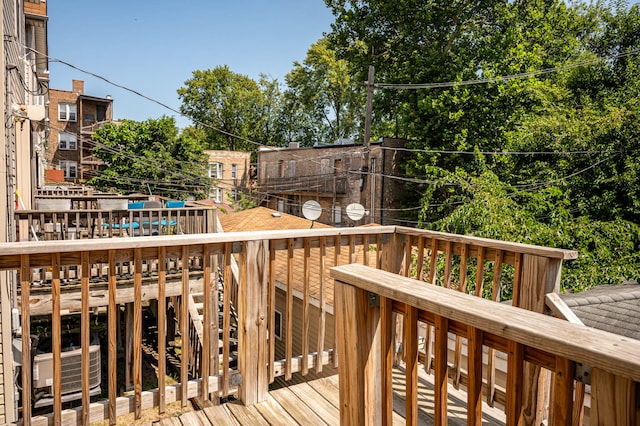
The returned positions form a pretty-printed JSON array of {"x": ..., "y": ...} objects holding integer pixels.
[
  {"x": 150, "y": 156},
  {"x": 326, "y": 101},
  {"x": 234, "y": 111}
]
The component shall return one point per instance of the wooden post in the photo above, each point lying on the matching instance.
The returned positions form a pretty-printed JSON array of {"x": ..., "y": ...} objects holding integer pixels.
[
  {"x": 539, "y": 276},
  {"x": 614, "y": 399},
  {"x": 360, "y": 375},
  {"x": 252, "y": 322}
]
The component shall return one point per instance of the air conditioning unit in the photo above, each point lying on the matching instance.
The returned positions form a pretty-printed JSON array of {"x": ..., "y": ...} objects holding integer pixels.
[{"x": 71, "y": 370}]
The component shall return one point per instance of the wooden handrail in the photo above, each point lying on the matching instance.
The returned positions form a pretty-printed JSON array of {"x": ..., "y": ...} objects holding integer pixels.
[
  {"x": 270, "y": 262},
  {"x": 527, "y": 336}
]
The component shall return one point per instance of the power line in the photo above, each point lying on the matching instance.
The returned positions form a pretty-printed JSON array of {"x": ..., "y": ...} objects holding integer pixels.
[{"x": 500, "y": 79}]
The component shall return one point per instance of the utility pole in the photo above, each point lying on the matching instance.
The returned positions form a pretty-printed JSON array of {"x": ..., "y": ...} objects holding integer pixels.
[{"x": 367, "y": 142}]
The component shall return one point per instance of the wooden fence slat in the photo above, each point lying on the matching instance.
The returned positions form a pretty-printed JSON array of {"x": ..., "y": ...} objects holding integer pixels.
[
  {"x": 420, "y": 260},
  {"x": 27, "y": 367},
  {"x": 515, "y": 377},
  {"x": 113, "y": 313},
  {"x": 474, "y": 373},
  {"x": 386, "y": 375},
  {"x": 56, "y": 333},
  {"x": 305, "y": 307},
  {"x": 289, "y": 313},
  {"x": 433, "y": 261},
  {"x": 85, "y": 334},
  {"x": 272, "y": 311},
  {"x": 162, "y": 327},
  {"x": 137, "y": 332},
  {"x": 226, "y": 318},
  {"x": 479, "y": 272},
  {"x": 563, "y": 392},
  {"x": 207, "y": 320},
  {"x": 184, "y": 327},
  {"x": 441, "y": 367},
  {"x": 446, "y": 282},
  {"x": 322, "y": 301},
  {"x": 337, "y": 240},
  {"x": 411, "y": 337}
]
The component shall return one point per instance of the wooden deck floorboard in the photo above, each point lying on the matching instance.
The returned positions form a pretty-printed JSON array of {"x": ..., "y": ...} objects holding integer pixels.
[{"x": 317, "y": 403}]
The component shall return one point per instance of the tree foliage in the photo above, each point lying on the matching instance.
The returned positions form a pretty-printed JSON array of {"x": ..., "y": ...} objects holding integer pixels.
[
  {"x": 150, "y": 156},
  {"x": 572, "y": 177}
]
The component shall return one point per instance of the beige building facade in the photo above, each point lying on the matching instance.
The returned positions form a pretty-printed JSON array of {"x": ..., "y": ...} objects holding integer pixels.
[{"x": 231, "y": 172}]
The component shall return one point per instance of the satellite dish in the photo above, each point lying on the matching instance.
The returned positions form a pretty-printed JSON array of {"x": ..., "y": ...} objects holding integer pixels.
[
  {"x": 355, "y": 211},
  {"x": 311, "y": 210}
]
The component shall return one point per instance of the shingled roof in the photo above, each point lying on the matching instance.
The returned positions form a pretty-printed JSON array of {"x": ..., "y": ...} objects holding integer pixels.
[{"x": 613, "y": 308}]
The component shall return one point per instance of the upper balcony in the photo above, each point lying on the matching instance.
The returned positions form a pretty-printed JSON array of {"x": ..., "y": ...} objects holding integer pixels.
[
  {"x": 256, "y": 308},
  {"x": 312, "y": 184}
]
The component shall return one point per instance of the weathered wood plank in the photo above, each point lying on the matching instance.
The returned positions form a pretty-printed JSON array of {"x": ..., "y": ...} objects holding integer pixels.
[
  {"x": 308, "y": 396},
  {"x": 474, "y": 374},
  {"x": 273, "y": 413},
  {"x": 589, "y": 346},
  {"x": 441, "y": 370},
  {"x": 162, "y": 327},
  {"x": 56, "y": 346},
  {"x": 296, "y": 408},
  {"x": 184, "y": 326},
  {"x": 25, "y": 284},
  {"x": 85, "y": 336}
]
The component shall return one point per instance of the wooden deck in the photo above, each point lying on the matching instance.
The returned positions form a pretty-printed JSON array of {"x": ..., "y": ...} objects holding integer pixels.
[{"x": 316, "y": 403}]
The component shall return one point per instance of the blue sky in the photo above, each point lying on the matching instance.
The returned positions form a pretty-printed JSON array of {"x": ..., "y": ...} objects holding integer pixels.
[{"x": 153, "y": 47}]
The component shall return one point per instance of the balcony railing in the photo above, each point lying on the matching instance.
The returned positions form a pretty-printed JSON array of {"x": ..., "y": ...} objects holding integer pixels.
[
  {"x": 323, "y": 184},
  {"x": 42, "y": 225},
  {"x": 531, "y": 341},
  {"x": 283, "y": 294}
]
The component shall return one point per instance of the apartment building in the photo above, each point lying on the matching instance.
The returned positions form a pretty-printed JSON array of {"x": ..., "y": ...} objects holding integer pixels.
[
  {"x": 73, "y": 117},
  {"x": 335, "y": 176},
  {"x": 231, "y": 172},
  {"x": 25, "y": 80}
]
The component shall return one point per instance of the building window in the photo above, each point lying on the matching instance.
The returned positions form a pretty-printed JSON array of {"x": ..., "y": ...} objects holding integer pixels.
[
  {"x": 67, "y": 112},
  {"x": 215, "y": 170},
  {"x": 281, "y": 168},
  {"x": 337, "y": 215},
  {"x": 337, "y": 166},
  {"x": 325, "y": 164},
  {"x": 292, "y": 168},
  {"x": 234, "y": 171},
  {"x": 70, "y": 169},
  {"x": 281, "y": 206},
  {"x": 217, "y": 194},
  {"x": 67, "y": 142},
  {"x": 234, "y": 194},
  {"x": 277, "y": 326},
  {"x": 101, "y": 112}
]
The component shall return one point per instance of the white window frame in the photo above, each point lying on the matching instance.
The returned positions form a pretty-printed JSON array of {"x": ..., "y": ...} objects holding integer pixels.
[
  {"x": 234, "y": 171},
  {"x": 67, "y": 142},
  {"x": 337, "y": 215},
  {"x": 215, "y": 170},
  {"x": 216, "y": 194},
  {"x": 68, "y": 167},
  {"x": 67, "y": 112}
]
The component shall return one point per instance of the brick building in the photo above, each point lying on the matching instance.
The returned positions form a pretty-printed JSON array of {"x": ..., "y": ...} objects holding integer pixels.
[
  {"x": 335, "y": 176},
  {"x": 231, "y": 171},
  {"x": 73, "y": 117}
]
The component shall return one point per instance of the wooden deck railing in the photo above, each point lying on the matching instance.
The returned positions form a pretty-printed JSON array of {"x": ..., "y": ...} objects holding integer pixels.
[
  {"x": 529, "y": 338},
  {"x": 38, "y": 225},
  {"x": 281, "y": 290}
]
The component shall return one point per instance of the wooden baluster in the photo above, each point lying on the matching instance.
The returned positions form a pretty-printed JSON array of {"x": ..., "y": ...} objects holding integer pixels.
[
  {"x": 441, "y": 368},
  {"x": 162, "y": 327},
  {"x": 184, "y": 328},
  {"x": 226, "y": 317},
  {"x": 272, "y": 311},
  {"x": 515, "y": 381},
  {"x": 407, "y": 256},
  {"x": 305, "y": 308},
  {"x": 25, "y": 321},
  {"x": 113, "y": 313},
  {"x": 207, "y": 321},
  {"x": 474, "y": 373},
  {"x": 420, "y": 265},
  {"x": 56, "y": 347},
  {"x": 289, "y": 319},
  {"x": 462, "y": 287},
  {"x": 563, "y": 392},
  {"x": 365, "y": 250},
  {"x": 446, "y": 280},
  {"x": 337, "y": 241},
  {"x": 433, "y": 261},
  {"x": 137, "y": 331},
  {"x": 411, "y": 339},
  {"x": 323, "y": 309},
  {"x": 85, "y": 335}
]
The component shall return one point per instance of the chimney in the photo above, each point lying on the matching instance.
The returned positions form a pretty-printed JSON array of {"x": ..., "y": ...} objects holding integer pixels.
[{"x": 77, "y": 86}]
